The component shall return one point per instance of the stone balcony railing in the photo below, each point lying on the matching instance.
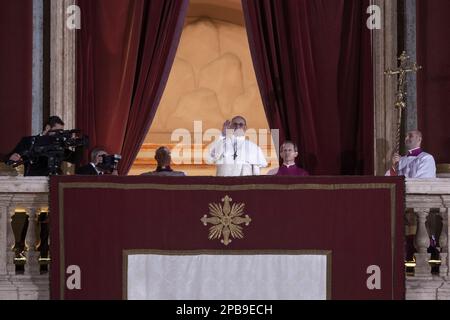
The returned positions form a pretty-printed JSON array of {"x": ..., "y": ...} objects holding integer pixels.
[
  {"x": 427, "y": 213},
  {"x": 23, "y": 245},
  {"x": 24, "y": 257}
]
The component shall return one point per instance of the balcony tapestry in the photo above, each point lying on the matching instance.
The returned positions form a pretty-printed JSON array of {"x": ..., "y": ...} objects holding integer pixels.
[{"x": 183, "y": 237}]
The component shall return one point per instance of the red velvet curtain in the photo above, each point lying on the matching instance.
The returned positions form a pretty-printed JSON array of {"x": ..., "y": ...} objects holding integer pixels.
[
  {"x": 124, "y": 55},
  {"x": 433, "y": 81},
  {"x": 314, "y": 69},
  {"x": 16, "y": 58}
]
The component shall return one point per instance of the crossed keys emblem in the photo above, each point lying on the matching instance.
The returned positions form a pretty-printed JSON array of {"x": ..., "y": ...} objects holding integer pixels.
[{"x": 226, "y": 220}]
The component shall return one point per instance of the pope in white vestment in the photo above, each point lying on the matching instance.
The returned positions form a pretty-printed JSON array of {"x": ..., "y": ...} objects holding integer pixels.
[
  {"x": 233, "y": 154},
  {"x": 417, "y": 163}
]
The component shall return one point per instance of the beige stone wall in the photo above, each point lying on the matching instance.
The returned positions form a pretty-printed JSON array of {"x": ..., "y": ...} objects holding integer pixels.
[{"x": 212, "y": 79}]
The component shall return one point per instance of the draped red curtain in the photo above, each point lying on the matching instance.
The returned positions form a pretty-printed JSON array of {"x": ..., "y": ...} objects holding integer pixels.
[
  {"x": 314, "y": 69},
  {"x": 433, "y": 81},
  {"x": 16, "y": 58},
  {"x": 124, "y": 55}
]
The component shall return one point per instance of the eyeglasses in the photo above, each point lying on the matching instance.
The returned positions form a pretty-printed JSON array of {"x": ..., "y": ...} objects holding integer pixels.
[{"x": 238, "y": 125}]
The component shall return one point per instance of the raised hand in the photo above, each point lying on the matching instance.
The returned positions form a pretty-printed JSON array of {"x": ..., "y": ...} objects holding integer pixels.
[
  {"x": 15, "y": 157},
  {"x": 395, "y": 160},
  {"x": 226, "y": 126}
]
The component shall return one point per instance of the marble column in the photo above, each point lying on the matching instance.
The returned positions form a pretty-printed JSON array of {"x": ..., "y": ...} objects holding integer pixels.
[
  {"x": 38, "y": 67},
  {"x": 4, "y": 220},
  {"x": 410, "y": 47},
  {"x": 422, "y": 242},
  {"x": 443, "y": 243},
  {"x": 10, "y": 242},
  {"x": 384, "y": 46},
  {"x": 62, "y": 67},
  {"x": 32, "y": 265}
]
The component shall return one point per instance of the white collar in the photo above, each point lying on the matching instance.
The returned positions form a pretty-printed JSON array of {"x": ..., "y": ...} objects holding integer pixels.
[
  {"x": 95, "y": 167},
  {"x": 410, "y": 151}
]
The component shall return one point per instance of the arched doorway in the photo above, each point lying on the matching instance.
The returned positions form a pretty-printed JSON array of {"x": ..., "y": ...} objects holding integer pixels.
[{"x": 212, "y": 80}]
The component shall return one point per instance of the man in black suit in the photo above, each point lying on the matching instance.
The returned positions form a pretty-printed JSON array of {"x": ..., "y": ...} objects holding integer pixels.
[
  {"x": 94, "y": 168},
  {"x": 40, "y": 166}
]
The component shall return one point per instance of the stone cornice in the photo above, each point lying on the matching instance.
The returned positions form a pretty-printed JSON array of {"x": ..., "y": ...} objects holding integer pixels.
[
  {"x": 13, "y": 185},
  {"x": 428, "y": 186}
]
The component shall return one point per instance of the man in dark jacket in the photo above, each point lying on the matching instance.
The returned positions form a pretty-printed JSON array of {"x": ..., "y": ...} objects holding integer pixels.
[
  {"x": 42, "y": 165},
  {"x": 93, "y": 169}
]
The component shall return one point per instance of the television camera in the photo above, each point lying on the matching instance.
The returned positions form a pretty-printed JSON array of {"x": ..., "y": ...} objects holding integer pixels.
[
  {"x": 54, "y": 147},
  {"x": 109, "y": 163}
]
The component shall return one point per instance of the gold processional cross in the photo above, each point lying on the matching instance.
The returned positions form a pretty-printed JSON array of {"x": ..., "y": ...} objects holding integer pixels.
[{"x": 400, "y": 103}]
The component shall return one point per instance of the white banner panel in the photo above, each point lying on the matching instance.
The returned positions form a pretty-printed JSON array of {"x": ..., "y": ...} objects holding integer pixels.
[{"x": 227, "y": 277}]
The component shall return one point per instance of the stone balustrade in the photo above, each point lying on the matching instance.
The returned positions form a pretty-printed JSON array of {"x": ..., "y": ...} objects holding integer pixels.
[
  {"x": 24, "y": 261},
  {"x": 23, "y": 212},
  {"x": 428, "y": 203}
]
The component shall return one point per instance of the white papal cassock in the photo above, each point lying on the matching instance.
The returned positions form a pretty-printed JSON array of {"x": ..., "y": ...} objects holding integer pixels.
[
  {"x": 421, "y": 165},
  {"x": 236, "y": 156}
]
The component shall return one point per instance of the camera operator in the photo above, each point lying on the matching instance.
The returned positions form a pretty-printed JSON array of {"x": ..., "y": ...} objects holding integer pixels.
[
  {"x": 39, "y": 165},
  {"x": 98, "y": 165}
]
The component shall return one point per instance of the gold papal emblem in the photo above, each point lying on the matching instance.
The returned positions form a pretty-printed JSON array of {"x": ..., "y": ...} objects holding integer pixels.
[{"x": 226, "y": 220}]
